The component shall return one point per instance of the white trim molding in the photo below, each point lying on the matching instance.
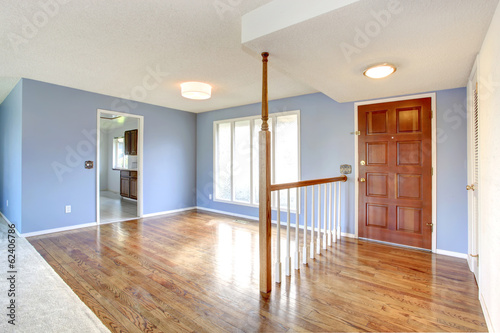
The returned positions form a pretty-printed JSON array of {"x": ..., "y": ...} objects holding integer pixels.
[
  {"x": 51, "y": 231},
  {"x": 486, "y": 313},
  {"x": 8, "y": 222},
  {"x": 432, "y": 96},
  {"x": 173, "y": 211},
  {"x": 452, "y": 254}
]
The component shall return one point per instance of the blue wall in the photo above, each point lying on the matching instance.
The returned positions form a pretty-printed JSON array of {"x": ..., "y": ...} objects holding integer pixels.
[
  {"x": 10, "y": 155},
  {"x": 326, "y": 143},
  {"x": 59, "y": 132},
  {"x": 452, "y": 221}
]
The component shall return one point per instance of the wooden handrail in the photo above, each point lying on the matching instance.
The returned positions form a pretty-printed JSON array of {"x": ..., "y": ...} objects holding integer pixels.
[{"x": 303, "y": 183}]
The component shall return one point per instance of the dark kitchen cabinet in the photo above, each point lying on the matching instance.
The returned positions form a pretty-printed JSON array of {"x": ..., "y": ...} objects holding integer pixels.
[
  {"x": 128, "y": 184},
  {"x": 130, "y": 138}
]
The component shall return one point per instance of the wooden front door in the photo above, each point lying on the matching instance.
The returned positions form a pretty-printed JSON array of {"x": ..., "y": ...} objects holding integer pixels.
[{"x": 395, "y": 172}]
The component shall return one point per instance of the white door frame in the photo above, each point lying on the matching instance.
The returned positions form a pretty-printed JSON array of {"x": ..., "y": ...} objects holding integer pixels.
[
  {"x": 473, "y": 225},
  {"x": 140, "y": 155},
  {"x": 434, "y": 161}
]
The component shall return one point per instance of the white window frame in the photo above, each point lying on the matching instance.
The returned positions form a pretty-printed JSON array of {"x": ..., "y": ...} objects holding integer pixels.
[
  {"x": 115, "y": 152},
  {"x": 272, "y": 118}
]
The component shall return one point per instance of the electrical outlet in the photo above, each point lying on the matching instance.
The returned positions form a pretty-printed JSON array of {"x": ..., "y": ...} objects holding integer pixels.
[
  {"x": 68, "y": 209},
  {"x": 7, "y": 203},
  {"x": 210, "y": 196}
]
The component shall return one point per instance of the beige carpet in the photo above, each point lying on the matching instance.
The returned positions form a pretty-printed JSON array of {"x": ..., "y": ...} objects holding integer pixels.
[{"x": 44, "y": 303}]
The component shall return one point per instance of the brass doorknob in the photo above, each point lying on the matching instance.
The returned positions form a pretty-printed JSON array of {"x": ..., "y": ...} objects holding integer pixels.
[
  {"x": 362, "y": 180},
  {"x": 362, "y": 162},
  {"x": 470, "y": 187}
]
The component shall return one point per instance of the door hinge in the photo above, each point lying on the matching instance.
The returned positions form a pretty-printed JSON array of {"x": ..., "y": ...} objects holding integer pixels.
[
  {"x": 432, "y": 171},
  {"x": 431, "y": 225},
  {"x": 432, "y": 114},
  {"x": 356, "y": 133}
]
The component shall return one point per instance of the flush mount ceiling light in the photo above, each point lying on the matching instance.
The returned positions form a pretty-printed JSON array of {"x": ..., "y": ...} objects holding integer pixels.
[
  {"x": 196, "y": 90},
  {"x": 379, "y": 71}
]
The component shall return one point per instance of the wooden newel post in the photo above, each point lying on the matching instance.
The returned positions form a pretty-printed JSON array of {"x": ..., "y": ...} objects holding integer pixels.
[{"x": 265, "y": 188}]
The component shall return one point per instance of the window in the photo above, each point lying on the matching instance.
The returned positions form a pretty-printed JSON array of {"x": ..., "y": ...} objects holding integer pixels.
[
  {"x": 236, "y": 157},
  {"x": 118, "y": 153}
]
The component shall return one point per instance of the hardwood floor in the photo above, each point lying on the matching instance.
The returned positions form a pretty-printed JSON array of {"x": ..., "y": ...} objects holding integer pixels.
[{"x": 197, "y": 271}]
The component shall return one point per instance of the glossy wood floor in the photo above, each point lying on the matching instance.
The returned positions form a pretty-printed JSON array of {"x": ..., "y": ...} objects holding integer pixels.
[{"x": 198, "y": 272}]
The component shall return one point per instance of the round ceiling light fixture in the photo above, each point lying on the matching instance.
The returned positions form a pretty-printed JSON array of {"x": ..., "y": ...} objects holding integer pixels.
[
  {"x": 379, "y": 71},
  {"x": 196, "y": 90}
]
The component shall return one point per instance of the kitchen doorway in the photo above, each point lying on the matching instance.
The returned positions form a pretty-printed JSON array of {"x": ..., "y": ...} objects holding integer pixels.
[{"x": 119, "y": 165}]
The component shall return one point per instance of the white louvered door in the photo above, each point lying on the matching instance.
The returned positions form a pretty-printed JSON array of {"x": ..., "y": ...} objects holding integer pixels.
[{"x": 473, "y": 172}]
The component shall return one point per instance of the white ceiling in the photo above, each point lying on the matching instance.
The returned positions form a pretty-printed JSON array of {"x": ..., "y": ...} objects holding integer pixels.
[
  {"x": 433, "y": 43},
  {"x": 109, "y": 47}
]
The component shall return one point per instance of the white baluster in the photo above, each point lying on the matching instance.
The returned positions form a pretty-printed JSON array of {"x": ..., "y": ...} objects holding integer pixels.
[
  {"x": 304, "y": 249},
  {"x": 339, "y": 212},
  {"x": 296, "y": 255},
  {"x": 313, "y": 222},
  {"x": 335, "y": 202},
  {"x": 288, "y": 259},
  {"x": 318, "y": 242},
  {"x": 330, "y": 222},
  {"x": 325, "y": 220},
  {"x": 277, "y": 274}
]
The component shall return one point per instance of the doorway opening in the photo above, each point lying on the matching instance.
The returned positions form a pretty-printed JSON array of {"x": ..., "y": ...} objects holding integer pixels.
[{"x": 119, "y": 166}]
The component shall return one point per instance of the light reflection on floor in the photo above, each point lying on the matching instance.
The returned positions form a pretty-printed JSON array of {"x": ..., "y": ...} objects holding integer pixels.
[{"x": 234, "y": 251}]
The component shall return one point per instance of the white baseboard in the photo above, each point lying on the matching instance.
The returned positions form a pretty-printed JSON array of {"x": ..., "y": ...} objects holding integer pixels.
[
  {"x": 8, "y": 222},
  {"x": 228, "y": 213},
  {"x": 345, "y": 234},
  {"x": 51, "y": 231},
  {"x": 169, "y": 212},
  {"x": 452, "y": 254},
  {"x": 487, "y": 317},
  {"x": 5, "y": 218}
]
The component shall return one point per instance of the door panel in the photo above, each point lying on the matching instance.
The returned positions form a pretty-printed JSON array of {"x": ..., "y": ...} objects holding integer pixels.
[
  {"x": 409, "y": 186},
  {"x": 409, "y": 153},
  {"x": 409, "y": 219},
  {"x": 377, "y": 122},
  {"x": 377, "y": 215},
  {"x": 376, "y": 153},
  {"x": 395, "y": 154},
  {"x": 377, "y": 184},
  {"x": 473, "y": 137},
  {"x": 409, "y": 120}
]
